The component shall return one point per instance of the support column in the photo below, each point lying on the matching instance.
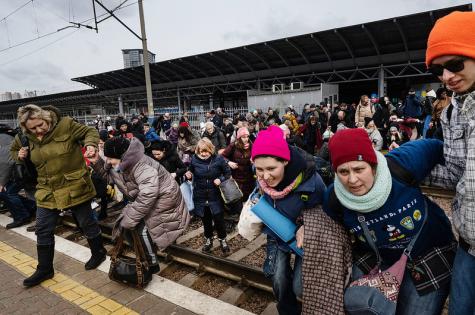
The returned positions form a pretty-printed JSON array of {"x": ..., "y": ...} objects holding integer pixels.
[
  {"x": 179, "y": 101},
  {"x": 121, "y": 105},
  {"x": 381, "y": 82},
  {"x": 211, "y": 101}
]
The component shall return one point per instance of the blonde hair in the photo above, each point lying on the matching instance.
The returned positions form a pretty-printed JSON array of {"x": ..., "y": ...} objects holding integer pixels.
[
  {"x": 204, "y": 145},
  {"x": 32, "y": 111}
]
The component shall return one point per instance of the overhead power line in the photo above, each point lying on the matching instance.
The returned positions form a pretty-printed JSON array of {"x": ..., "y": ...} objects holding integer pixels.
[
  {"x": 75, "y": 25},
  {"x": 38, "y": 49},
  {"x": 16, "y": 10}
]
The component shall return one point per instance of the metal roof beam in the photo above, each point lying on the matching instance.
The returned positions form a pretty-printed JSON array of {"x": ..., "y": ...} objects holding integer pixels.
[
  {"x": 155, "y": 71},
  {"x": 241, "y": 60},
  {"x": 171, "y": 71},
  {"x": 170, "y": 62},
  {"x": 258, "y": 56},
  {"x": 371, "y": 38},
  {"x": 403, "y": 37},
  {"x": 223, "y": 60},
  {"x": 291, "y": 43},
  {"x": 125, "y": 77},
  {"x": 277, "y": 53},
  {"x": 322, "y": 47},
  {"x": 209, "y": 64},
  {"x": 344, "y": 41},
  {"x": 189, "y": 64}
]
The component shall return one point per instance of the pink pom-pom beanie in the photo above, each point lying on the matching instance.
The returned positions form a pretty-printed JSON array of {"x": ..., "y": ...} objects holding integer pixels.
[{"x": 271, "y": 142}]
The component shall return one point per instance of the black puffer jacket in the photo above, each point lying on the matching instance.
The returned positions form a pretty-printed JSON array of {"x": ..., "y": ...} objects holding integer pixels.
[{"x": 171, "y": 161}]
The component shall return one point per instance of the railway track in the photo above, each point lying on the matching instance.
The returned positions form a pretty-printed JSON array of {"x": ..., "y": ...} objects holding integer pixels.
[
  {"x": 226, "y": 278},
  {"x": 237, "y": 278}
]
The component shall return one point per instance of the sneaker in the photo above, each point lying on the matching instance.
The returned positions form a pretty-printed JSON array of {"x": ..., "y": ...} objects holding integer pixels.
[
  {"x": 208, "y": 245},
  {"x": 224, "y": 246}
]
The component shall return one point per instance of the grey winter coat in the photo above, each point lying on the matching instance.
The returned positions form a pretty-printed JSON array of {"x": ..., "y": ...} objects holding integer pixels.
[
  {"x": 153, "y": 194},
  {"x": 6, "y": 162}
]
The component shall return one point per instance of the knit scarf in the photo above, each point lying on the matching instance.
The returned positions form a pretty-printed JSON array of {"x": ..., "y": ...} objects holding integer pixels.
[
  {"x": 279, "y": 194},
  {"x": 375, "y": 197}
]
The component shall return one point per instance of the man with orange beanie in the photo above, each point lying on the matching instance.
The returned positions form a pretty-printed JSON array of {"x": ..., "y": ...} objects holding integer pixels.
[{"x": 451, "y": 57}]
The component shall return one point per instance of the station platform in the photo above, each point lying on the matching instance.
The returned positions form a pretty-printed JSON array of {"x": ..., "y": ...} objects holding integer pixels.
[{"x": 73, "y": 290}]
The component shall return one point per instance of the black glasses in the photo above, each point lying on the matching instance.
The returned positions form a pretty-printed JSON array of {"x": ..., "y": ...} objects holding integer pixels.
[{"x": 453, "y": 65}]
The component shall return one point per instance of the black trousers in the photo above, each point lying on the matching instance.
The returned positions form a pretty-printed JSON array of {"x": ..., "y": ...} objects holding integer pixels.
[
  {"x": 218, "y": 220},
  {"x": 46, "y": 220}
]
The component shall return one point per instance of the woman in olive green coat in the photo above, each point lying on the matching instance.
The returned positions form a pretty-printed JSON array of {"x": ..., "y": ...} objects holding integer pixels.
[{"x": 64, "y": 181}]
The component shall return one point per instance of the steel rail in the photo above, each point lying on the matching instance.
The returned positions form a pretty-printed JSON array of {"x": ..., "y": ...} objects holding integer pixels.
[{"x": 222, "y": 267}]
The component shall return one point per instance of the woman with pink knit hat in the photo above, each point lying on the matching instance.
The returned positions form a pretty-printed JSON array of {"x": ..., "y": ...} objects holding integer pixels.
[
  {"x": 238, "y": 156},
  {"x": 289, "y": 182}
]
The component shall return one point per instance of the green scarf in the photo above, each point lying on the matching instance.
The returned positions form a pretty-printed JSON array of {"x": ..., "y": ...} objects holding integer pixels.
[{"x": 373, "y": 199}]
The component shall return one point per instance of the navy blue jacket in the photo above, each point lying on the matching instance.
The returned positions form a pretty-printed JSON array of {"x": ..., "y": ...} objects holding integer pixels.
[
  {"x": 413, "y": 107},
  {"x": 205, "y": 192},
  {"x": 402, "y": 215}
]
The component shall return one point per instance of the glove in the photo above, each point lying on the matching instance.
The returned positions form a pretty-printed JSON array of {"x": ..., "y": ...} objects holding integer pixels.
[{"x": 110, "y": 191}]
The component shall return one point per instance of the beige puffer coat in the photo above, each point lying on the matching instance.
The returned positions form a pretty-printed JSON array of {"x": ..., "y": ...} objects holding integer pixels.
[
  {"x": 363, "y": 111},
  {"x": 152, "y": 192}
]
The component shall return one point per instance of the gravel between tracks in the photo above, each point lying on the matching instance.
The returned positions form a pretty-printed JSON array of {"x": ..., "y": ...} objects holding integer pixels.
[
  {"x": 257, "y": 258},
  {"x": 175, "y": 272},
  {"x": 194, "y": 243},
  {"x": 257, "y": 301},
  {"x": 212, "y": 285}
]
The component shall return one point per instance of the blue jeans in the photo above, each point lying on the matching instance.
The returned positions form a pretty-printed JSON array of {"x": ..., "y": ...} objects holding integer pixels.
[
  {"x": 20, "y": 207},
  {"x": 462, "y": 290},
  {"x": 410, "y": 302},
  {"x": 286, "y": 282},
  {"x": 46, "y": 220}
]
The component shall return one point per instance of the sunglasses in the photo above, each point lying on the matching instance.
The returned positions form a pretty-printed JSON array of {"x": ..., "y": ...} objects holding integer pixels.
[{"x": 453, "y": 65}]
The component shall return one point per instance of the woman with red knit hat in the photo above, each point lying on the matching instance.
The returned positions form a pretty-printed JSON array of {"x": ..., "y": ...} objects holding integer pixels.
[
  {"x": 289, "y": 182},
  {"x": 450, "y": 56},
  {"x": 378, "y": 201}
]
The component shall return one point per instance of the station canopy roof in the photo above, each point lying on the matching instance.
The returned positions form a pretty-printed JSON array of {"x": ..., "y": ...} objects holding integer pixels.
[{"x": 391, "y": 41}]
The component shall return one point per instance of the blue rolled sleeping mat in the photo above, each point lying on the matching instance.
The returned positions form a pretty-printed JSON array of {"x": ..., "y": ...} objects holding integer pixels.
[{"x": 279, "y": 224}]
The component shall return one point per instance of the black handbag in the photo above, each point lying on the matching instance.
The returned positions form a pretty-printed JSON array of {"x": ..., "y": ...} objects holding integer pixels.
[
  {"x": 230, "y": 191},
  {"x": 134, "y": 272},
  {"x": 26, "y": 171}
]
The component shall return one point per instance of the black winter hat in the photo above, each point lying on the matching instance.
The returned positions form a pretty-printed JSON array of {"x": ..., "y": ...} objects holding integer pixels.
[
  {"x": 103, "y": 135},
  {"x": 115, "y": 147}
]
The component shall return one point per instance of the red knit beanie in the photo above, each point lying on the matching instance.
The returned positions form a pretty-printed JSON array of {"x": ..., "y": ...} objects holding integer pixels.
[
  {"x": 271, "y": 142},
  {"x": 351, "y": 145},
  {"x": 184, "y": 124},
  {"x": 453, "y": 34}
]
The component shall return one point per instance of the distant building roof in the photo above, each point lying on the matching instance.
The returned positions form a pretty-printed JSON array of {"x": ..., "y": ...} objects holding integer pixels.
[{"x": 390, "y": 41}]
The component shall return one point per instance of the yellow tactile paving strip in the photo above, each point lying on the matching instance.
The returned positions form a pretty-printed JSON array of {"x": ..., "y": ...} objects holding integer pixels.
[{"x": 62, "y": 285}]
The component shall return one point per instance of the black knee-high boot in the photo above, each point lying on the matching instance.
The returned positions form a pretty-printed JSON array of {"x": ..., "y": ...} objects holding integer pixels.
[{"x": 44, "y": 270}]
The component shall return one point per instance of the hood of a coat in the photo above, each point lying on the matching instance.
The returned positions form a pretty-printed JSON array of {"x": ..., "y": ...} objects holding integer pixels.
[
  {"x": 133, "y": 155},
  {"x": 55, "y": 116}
]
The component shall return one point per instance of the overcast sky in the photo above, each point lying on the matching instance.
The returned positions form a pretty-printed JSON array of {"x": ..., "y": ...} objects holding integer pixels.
[{"x": 174, "y": 29}]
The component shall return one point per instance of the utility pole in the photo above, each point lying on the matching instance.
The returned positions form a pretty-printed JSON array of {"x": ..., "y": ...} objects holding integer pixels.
[{"x": 148, "y": 82}]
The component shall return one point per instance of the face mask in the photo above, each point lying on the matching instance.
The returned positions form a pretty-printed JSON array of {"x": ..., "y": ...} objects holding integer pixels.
[{"x": 116, "y": 168}]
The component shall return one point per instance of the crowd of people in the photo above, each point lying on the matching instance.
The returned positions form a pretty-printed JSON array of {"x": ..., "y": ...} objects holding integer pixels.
[{"x": 346, "y": 175}]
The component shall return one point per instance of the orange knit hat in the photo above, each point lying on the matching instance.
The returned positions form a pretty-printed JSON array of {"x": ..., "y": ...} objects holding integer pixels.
[{"x": 452, "y": 34}]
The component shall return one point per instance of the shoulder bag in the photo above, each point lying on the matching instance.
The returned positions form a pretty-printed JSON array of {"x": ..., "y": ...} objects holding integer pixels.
[
  {"x": 377, "y": 292},
  {"x": 134, "y": 272}
]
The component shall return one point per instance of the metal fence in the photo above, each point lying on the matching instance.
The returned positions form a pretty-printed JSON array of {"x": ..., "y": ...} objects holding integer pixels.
[{"x": 194, "y": 117}]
